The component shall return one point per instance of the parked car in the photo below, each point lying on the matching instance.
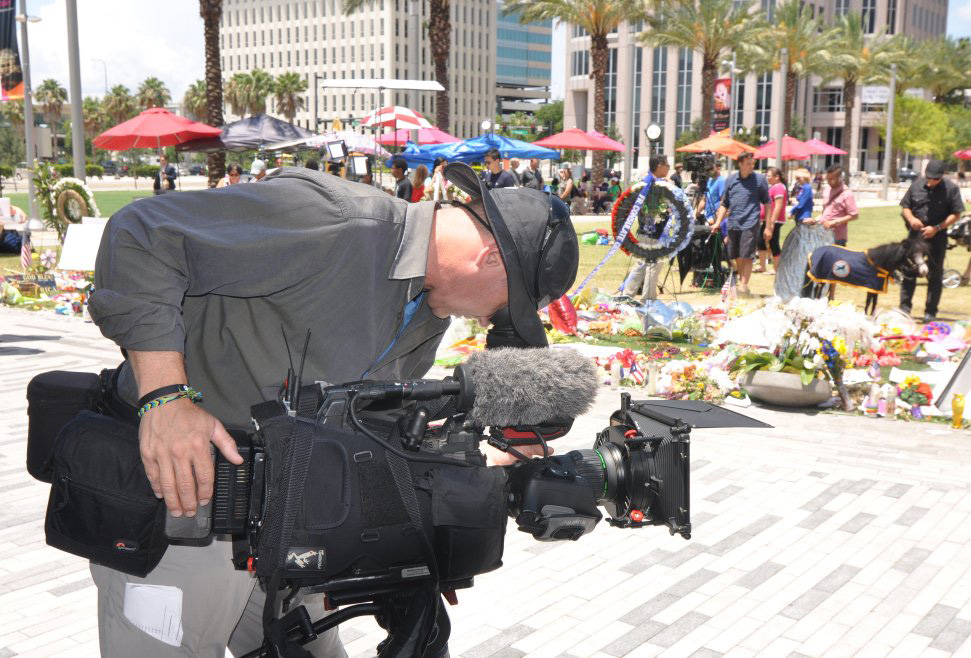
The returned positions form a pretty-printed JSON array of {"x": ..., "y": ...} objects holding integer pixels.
[
  {"x": 197, "y": 170},
  {"x": 110, "y": 167},
  {"x": 906, "y": 174}
]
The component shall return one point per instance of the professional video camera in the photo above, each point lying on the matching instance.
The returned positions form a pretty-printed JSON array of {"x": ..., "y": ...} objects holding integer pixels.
[
  {"x": 701, "y": 166},
  {"x": 351, "y": 490}
]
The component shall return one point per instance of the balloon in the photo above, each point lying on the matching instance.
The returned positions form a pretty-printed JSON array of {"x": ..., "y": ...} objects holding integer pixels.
[
  {"x": 682, "y": 308},
  {"x": 563, "y": 315}
]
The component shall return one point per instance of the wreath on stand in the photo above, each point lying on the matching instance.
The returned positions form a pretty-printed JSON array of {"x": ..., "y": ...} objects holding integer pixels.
[
  {"x": 65, "y": 201},
  {"x": 663, "y": 225}
]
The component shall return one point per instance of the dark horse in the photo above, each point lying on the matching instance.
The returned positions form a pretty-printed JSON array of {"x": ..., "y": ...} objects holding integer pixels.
[{"x": 869, "y": 269}]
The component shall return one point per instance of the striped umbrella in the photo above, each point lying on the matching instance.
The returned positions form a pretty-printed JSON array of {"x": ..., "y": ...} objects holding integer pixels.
[{"x": 396, "y": 117}]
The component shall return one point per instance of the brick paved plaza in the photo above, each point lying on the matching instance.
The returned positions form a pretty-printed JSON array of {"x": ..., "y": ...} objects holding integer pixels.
[{"x": 828, "y": 535}]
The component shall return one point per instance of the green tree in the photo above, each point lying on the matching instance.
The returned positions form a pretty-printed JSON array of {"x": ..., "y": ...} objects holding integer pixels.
[
  {"x": 211, "y": 12},
  {"x": 598, "y": 18},
  {"x": 237, "y": 91},
  {"x": 711, "y": 27},
  {"x": 153, "y": 93},
  {"x": 288, "y": 90},
  {"x": 920, "y": 127},
  {"x": 12, "y": 147},
  {"x": 119, "y": 104},
  {"x": 550, "y": 116},
  {"x": 262, "y": 86},
  {"x": 13, "y": 113},
  {"x": 959, "y": 118},
  {"x": 51, "y": 96},
  {"x": 947, "y": 68},
  {"x": 806, "y": 40},
  {"x": 194, "y": 100},
  {"x": 94, "y": 116},
  {"x": 439, "y": 28},
  {"x": 857, "y": 59}
]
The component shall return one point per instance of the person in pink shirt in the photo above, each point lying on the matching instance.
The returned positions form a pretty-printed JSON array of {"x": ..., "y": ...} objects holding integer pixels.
[
  {"x": 774, "y": 214},
  {"x": 839, "y": 209}
]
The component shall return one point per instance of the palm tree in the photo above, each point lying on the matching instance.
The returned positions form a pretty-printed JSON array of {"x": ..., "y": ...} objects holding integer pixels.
[
  {"x": 856, "y": 59},
  {"x": 599, "y": 18},
  {"x": 52, "y": 96},
  {"x": 119, "y": 104},
  {"x": 711, "y": 27},
  {"x": 288, "y": 89},
  {"x": 211, "y": 12},
  {"x": 153, "y": 93},
  {"x": 194, "y": 100},
  {"x": 948, "y": 66},
  {"x": 440, "y": 39},
  {"x": 807, "y": 43},
  {"x": 237, "y": 92},
  {"x": 261, "y": 86},
  {"x": 93, "y": 114}
]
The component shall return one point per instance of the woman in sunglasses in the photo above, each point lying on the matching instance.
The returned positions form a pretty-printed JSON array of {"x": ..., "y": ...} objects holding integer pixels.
[{"x": 233, "y": 175}]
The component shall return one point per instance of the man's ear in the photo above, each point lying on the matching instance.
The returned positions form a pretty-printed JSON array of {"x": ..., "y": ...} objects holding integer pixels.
[{"x": 489, "y": 257}]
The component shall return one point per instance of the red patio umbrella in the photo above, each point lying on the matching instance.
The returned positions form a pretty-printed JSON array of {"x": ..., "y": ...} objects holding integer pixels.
[
  {"x": 397, "y": 117},
  {"x": 822, "y": 148},
  {"x": 153, "y": 128},
  {"x": 792, "y": 149},
  {"x": 574, "y": 138},
  {"x": 721, "y": 144},
  {"x": 963, "y": 155},
  {"x": 425, "y": 136}
]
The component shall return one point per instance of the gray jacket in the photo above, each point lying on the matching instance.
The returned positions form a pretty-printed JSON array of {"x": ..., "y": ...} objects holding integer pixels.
[{"x": 215, "y": 273}]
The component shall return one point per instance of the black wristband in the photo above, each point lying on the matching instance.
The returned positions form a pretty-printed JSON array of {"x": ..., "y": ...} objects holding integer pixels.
[{"x": 159, "y": 392}]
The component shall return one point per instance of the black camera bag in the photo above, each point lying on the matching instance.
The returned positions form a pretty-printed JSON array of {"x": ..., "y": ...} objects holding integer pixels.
[
  {"x": 53, "y": 399},
  {"x": 101, "y": 505},
  {"x": 339, "y": 503}
]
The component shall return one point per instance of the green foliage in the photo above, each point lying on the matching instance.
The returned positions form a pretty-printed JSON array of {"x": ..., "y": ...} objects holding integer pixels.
[
  {"x": 194, "y": 102},
  {"x": 145, "y": 170},
  {"x": 6, "y": 171},
  {"x": 153, "y": 93},
  {"x": 91, "y": 169},
  {"x": 288, "y": 90},
  {"x": 119, "y": 104},
  {"x": 920, "y": 127},
  {"x": 748, "y": 136},
  {"x": 64, "y": 169},
  {"x": 551, "y": 112},
  {"x": 959, "y": 118},
  {"x": 693, "y": 134},
  {"x": 12, "y": 146}
]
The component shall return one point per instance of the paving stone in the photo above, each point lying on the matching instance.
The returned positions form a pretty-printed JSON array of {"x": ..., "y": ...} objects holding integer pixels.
[
  {"x": 936, "y": 620},
  {"x": 674, "y": 632},
  {"x": 898, "y": 490},
  {"x": 723, "y": 493},
  {"x": 759, "y": 575},
  {"x": 911, "y": 559},
  {"x": 953, "y": 636},
  {"x": 739, "y": 537},
  {"x": 499, "y": 641},
  {"x": 858, "y": 522},
  {"x": 911, "y": 516},
  {"x": 634, "y": 638}
]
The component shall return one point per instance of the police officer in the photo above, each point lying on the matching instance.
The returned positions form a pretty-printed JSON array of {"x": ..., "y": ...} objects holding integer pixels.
[{"x": 930, "y": 205}]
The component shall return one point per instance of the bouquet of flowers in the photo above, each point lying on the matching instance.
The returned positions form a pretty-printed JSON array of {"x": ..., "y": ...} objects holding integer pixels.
[
  {"x": 693, "y": 382},
  {"x": 915, "y": 392}
]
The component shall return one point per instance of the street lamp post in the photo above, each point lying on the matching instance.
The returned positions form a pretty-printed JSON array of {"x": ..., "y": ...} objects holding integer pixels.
[
  {"x": 23, "y": 18},
  {"x": 74, "y": 65}
]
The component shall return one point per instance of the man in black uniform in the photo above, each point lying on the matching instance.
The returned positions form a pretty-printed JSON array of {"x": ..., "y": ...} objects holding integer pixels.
[{"x": 930, "y": 205}]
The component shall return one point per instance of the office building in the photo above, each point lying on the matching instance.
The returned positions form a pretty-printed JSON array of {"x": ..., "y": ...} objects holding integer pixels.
[{"x": 523, "y": 63}]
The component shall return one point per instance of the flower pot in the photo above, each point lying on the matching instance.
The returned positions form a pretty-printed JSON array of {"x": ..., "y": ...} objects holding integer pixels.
[{"x": 785, "y": 389}]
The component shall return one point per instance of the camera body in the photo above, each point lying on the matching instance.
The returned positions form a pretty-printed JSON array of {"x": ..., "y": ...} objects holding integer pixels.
[{"x": 700, "y": 163}]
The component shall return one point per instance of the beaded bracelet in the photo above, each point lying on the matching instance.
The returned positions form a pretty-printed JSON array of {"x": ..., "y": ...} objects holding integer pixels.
[{"x": 187, "y": 392}]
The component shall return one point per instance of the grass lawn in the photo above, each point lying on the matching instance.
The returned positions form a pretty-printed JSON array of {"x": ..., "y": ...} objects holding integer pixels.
[
  {"x": 874, "y": 227},
  {"x": 108, "y": 202}
]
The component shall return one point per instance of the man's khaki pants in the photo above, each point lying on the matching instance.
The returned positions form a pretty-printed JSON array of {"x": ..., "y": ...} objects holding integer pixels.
[
  {"x": 645, "y": 272},
  {"x": 220, "y": 607}
]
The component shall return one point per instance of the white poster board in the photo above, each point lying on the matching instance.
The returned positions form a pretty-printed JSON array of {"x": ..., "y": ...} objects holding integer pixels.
[
  {"x": 81, "y": 243},
  {"x": 960, "y": 382}
]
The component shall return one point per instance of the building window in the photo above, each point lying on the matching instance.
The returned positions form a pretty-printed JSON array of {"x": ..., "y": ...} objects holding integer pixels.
[
  {"x": 768, "y": 8},
  {"x": 834, "y": 137},
  {"x": 828, "y": 99},
  {"x": 610, "y": 89},
  {"x": 841, "y": 7},
  {"x": 864, "y": 144},
  {"x": 659, "y": 85},
  {"x": 869, "y": 16},
  {"x": 891, "y": 16},
  {"x": 763, "y": 104},
  {"x": 683, "y": 117},
  {"x": 738, "y": 97}
]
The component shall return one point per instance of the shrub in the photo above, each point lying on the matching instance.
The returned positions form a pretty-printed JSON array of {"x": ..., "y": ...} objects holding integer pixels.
[
  {"x": 6, "y": 171},
  {"x": 145, "y": 170},
  {"x": 64, "y": 170},
  {"x": 91, "y": 169}
]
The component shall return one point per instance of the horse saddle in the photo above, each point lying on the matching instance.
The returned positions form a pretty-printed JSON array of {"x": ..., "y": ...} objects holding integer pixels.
[{"x": 848, "y": 267}]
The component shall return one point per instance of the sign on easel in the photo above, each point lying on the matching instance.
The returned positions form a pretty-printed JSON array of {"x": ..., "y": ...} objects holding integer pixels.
[{"x": 81, "y": 244}]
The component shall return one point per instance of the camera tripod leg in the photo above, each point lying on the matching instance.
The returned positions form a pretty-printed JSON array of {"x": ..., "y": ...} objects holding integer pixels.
[{"x": 300, "y": 630}]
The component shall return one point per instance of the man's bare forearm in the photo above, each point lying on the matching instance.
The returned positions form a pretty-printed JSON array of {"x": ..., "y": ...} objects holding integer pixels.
[{"x": 154, "y": 370}]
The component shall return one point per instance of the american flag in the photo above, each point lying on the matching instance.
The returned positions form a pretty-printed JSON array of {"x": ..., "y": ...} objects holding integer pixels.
[{"x": 26, "y": 260}]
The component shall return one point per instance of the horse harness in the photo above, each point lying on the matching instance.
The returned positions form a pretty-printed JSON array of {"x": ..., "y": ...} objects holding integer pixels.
[{"x": 838, "y": 265}]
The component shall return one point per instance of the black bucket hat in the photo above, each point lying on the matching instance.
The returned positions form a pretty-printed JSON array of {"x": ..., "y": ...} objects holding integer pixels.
[{"x": 536, "y": 240}]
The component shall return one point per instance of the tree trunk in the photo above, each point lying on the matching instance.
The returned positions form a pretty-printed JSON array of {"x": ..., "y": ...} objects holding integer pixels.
[
  {"x": 790, "y": 99},
  {"x": 211, "y": 11},
  {"x": 598, "y": 53},
  {"x": 440, "y": 36},
  {"x": 849, "y": 103},
  {"x": 708, "y": 96}
]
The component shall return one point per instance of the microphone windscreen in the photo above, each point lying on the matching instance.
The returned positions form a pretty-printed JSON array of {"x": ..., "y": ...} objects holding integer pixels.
[{"x": 530, "y": 386}]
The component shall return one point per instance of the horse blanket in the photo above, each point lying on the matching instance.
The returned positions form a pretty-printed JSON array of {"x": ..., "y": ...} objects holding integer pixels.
[{"x": 848, "y": 267}]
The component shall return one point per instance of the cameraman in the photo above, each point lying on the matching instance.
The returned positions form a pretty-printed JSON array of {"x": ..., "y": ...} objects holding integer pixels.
[{"x": 197, "y": 288}]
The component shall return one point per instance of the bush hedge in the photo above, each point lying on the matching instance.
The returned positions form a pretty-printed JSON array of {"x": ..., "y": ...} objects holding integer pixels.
[
  {"x": 6, "y": 171},
  {"x": 145, "y": 170},
  {"x": 91, "y": 169}
]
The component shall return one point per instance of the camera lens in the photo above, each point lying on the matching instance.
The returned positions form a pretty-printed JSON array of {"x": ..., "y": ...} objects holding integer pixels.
[{"x": 618, "y": 478}]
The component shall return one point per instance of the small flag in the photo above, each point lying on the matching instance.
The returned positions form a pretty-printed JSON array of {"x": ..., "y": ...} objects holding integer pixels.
[{"x": 26, "y": 259}]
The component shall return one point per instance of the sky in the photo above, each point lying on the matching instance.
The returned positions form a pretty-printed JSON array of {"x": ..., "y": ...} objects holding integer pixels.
[{"x": 137, "y": 39}]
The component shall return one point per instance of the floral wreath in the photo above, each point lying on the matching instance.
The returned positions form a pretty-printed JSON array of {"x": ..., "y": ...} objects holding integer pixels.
[
  {"x": 663, "y": 199},
  {"x": 70, "y": 197}
]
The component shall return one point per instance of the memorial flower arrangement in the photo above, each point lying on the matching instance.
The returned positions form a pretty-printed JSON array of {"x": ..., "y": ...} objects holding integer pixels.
[{"x": 915, "y": 392}]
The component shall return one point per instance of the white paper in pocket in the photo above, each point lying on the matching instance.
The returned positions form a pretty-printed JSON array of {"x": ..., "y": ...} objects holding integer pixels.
[{"x": 156, "y": 610}]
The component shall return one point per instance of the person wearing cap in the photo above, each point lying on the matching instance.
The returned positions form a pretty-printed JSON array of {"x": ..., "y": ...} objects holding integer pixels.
[
  {"x": 199, "y": 294},
  {"x": 930, "y": 206},
  {"x": 257, "y": 170}
]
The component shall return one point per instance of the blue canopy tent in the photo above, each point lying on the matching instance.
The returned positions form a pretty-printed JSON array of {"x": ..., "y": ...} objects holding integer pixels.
[{"x": 474, "y": 150}]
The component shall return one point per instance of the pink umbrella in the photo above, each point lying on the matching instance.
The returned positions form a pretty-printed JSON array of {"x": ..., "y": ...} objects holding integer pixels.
[
  {"x": 822, "y": 148},
  {"x": 397, "y": 117},
  {"x": 425, "y": 136},
  {"x": 580, "y": 140},
  {"x": 153, "y": 128},
  {"x": 963, "y": 155},
  {"x": 792, "y": 149}
]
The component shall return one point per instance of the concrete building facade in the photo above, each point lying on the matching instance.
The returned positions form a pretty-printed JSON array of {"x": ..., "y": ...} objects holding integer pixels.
[
  {"x": 315, "y": 38},
  {"x": 666, "y": 85},
  {"x": 523, "y": 63}
]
